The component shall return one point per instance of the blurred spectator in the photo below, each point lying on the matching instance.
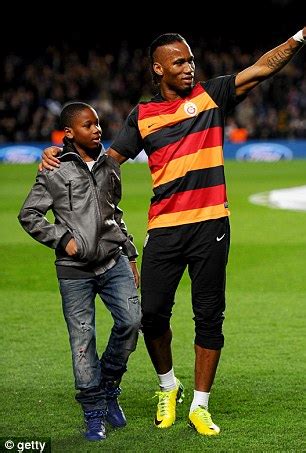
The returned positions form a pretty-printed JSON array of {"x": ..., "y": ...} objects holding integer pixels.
[
  {"x": 235, "y": 133},
  {"x": 57, "y": 137}
]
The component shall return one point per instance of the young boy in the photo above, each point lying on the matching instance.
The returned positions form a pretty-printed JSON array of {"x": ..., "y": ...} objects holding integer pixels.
[{"x": 94, "y": 255}]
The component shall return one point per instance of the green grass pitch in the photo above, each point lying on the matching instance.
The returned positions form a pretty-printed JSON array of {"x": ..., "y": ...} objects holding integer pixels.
[{"x": 258, "y": 398}]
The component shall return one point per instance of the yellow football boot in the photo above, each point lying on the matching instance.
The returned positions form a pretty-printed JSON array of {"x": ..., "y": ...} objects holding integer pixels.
[
  {"x": 200, "y": 420},
  {"x": 166, "y": 407}
]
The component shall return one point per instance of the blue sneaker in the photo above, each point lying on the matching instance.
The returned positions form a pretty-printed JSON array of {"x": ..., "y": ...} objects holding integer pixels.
[
  {"x": 115, "y": 415},
  {"x": 95, "y": 425}
]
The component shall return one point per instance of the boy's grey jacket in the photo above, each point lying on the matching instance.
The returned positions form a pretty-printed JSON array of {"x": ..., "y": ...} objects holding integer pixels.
[{"x": 84, "y": 204}]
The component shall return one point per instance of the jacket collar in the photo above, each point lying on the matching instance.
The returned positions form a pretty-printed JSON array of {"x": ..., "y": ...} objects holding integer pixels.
[{"x": 70, "y": 152}]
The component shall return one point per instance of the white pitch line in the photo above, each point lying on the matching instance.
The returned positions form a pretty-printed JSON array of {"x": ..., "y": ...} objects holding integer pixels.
[{"x": 293, "y": 198}]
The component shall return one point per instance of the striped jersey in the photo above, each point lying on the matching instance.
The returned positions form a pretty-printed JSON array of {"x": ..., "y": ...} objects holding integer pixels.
[{"x": 183, "y": 140}]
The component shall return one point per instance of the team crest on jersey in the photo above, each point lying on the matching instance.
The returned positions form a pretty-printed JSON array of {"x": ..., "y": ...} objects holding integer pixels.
[{"x": 190, "y": 108}]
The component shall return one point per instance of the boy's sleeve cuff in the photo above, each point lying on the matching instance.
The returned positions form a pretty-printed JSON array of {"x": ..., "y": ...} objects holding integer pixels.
[{"x": 65, "y": 239}]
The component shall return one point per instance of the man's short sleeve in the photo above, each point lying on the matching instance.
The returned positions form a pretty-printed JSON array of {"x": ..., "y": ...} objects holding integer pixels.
[
  {"x": 128, "y": 142},
  {"x": 223, "y": 91}
]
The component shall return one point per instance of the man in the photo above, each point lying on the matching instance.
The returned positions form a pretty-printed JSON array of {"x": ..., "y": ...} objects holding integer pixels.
[{"x": 181, "y": 130}]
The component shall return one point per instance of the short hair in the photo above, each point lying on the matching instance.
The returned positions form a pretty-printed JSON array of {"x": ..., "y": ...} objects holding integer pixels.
[
  {"x": 162, "y": 40},
  {"x": 70, "y": 111}
]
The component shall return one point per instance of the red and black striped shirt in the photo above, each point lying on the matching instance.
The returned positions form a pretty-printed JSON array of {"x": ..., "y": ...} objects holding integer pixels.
[{"x": 183, "y": 140}]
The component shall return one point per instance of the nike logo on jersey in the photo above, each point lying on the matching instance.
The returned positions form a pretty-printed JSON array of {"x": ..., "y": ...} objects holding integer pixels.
[
  {"x": 220, "y": 238},
  {"x": 150, "y": 125}
]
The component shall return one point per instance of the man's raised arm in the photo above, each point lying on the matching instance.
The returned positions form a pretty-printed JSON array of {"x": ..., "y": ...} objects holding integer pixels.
[{"x": 269, "y": 63}]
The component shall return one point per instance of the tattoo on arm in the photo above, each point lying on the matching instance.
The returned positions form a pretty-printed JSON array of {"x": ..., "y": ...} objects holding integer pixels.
[{"x": 280, "y": 58}]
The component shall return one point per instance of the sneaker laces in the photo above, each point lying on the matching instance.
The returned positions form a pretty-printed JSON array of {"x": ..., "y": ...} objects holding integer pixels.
[
  {"x": 163, "y": 403},
  {"x": 113, "y": 392},
  {"x": 94, "y": 414},
  {"x": 94, "y": 419},
  {"x": 204, "y": 415},
  {"x": 94, "y": 424}
]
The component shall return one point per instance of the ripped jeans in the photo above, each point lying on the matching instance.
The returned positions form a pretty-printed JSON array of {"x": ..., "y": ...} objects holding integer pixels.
[{"x": 117, "y": 289}]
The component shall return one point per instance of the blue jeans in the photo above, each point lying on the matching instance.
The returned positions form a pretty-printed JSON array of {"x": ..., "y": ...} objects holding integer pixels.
[{"x": 117, "y": 289}]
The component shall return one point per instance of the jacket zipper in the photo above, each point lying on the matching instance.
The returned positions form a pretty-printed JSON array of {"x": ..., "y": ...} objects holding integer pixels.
[
  {"x": 70, "y": 195},
  {"x": 93, "y": 184},
  {"x": 96, "y": 199}
]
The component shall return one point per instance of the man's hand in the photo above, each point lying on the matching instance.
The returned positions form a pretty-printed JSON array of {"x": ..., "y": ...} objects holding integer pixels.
[
  {"x": 71, "y": 248},
  {"x": 49, "y": 159},
  {"x": 135, "y": 271}
]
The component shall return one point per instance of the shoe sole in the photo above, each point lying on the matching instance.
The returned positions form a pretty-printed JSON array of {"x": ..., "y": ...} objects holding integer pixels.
[
  {"x": 94, "y": 439},
  {"x": 116, "y": 425},
  {"x": 212, "y": 433}
]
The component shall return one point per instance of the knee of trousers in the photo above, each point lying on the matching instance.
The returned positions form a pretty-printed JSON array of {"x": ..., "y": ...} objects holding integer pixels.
[
  {"x": 155, "y": 325},
  {"x": 129, "y": 328},
  {"x": 208, "y": 331},
  {"x": 129, "y": 325},
  {"x": 125, "y": 335}
]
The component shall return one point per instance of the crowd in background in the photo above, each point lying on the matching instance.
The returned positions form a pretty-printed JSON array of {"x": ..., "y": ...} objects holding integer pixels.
[{"x": 33, "y": 91}]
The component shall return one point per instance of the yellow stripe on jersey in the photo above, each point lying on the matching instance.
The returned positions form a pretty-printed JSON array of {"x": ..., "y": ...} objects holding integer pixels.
[
  {"x": 152, "y": 124},
  {"x": 176, "y": 168},
  {"x": 191, "y": 216}
]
